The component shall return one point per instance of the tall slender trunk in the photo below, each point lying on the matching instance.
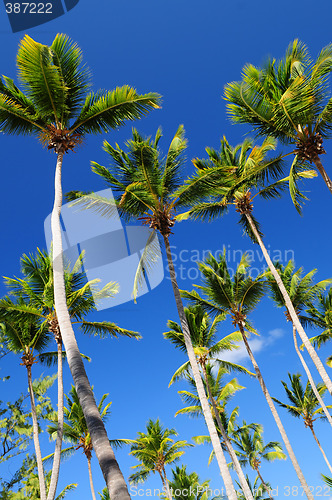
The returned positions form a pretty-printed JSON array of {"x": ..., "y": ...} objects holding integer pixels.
[
  {"x": 266, "y": 488},
  {"x": 276, "y": 417},
  {"x": 322, "y": 171},
  {"x": 40, "y": 468},
  {"x": 230, "y": 490},
  {"x": 320, "y": 447},
  {"x": 58, "y": 444},
  {"x": 237, "y": 467},
  {"x": 311, "y": 380},
  {"x": 113, "y": 477},
  {"x": 166, "y": 484},
  {"x": 91, "y": 480},
  {"x": 315, "y": 358}
]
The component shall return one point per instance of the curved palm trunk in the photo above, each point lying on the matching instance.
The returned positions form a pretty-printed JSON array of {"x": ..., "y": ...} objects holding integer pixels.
[
  {"x": 276, "y": 417},
  {"x": 263, "y": 483},
  {"x": 91, "y": 480},
  {"x": 237, "y": 467},
  {"x": 322, "y": 171},
  {"x": 113, "y": 477},
  {"x": 230, "y": 490},
  {"x": 40, "y": 468},
  {"x": 311, "y": 380},
  {"x": 320, "y": 447},
  {"x": 315, "y": 358},
  {"x": 58, "y": 444},
  {"x": 165, "y": 484}
]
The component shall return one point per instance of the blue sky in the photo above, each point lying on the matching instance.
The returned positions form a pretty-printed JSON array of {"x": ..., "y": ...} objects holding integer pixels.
[{"x": 186, "y": 51}]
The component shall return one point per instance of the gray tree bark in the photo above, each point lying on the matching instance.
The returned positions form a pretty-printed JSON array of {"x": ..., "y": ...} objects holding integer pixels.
[
  {"x": 312, "y": 353},
  {"x": 113, "y": 477},
  {"x": 58, "y": 444},
  {"x": 237, "y": 467},
  {"x": 40, "y": 468},
  {"x": 277, "y": 418},
  {"x": 230, "y": 490},
  {"x": 311, "y": 380},
  {"x": 322, "y": 171},
  {"x": 91, "y": 480}
]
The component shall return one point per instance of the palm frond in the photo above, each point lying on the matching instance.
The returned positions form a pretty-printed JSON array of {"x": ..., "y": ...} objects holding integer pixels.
[{"x": 104, "y": 111}]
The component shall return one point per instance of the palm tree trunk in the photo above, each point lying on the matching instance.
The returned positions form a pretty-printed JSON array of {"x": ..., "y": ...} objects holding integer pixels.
[
  {"x": 237, "y": 467},
  {"x": 40, "y": 468},
  {"x": 320, "y": 447},
  {"x": 315, "y": 358},
  {"x": 263, "y": 483},
  {"x": 311, "y": 380},
  {"x": 276, "y": 417},
  {"x": 113, "y": 477},
  {"x": 91, "y": 480},
  {"x": 230, "y": 490},
  {"x": 58, "y": 444},
  {"x": 322, "y": 171},
  {"x": 166, "y": 485}
]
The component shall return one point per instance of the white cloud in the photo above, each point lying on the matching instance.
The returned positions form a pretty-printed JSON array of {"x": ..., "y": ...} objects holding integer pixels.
[{"x": 257, "y": 344}]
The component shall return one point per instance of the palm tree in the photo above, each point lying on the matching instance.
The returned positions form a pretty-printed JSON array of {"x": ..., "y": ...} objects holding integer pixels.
[
  {"x": 257, "y": 490},
  {"x": 26, "y": 337},
  {"x": 155, "y": 449},
  {"x": 187, "y": 486},
  {"x": 30, "y": 486},
  {"x": 203, "y": 337},
  {"x": 302, "y": 292},
  {"x": 75, "y": 430},
  {"x": 221, "y": 393},
  {"x": 104, "y": 495},
  {"x": 227, "y": 178},
  {"x": 287, "y": 100},
  {"x": 320, "y": 315},
  {"x": 144, "y": 183},
  {"x": 238, "y": 296},
  {"x": 251, "y": 449},
  {"x": 60, "y": 108},
  {"x": 37, "y": 290},
  {"x": 305, "y": 404}
]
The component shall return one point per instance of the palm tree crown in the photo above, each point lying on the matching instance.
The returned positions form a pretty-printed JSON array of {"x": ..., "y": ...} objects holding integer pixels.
[
  {"x": 75, "y": 430},
  {"x": 203, "y": 333},
  {"x": 302, "y": 290},
  {"x": 238, "y": 295},
  {"x": 320, "y": 316},
  {"x": 235, "y": 176},
  {"x": 250, "y": 446},
  {"x": 287, "y": 100},
  {"x": 58, "y": 104},
  {"x": 303, "y": 402},
  {"x": 32, "y": 297},
  {"x": 155, "y": 449},
  {"x": 187, "y": 486}
]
